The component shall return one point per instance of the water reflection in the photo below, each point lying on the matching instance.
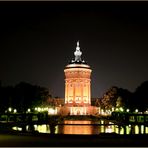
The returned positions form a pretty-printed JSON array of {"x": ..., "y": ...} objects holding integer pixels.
[
  {"x": 87, "y": 127},
  {"x": 77, "y": 129}
]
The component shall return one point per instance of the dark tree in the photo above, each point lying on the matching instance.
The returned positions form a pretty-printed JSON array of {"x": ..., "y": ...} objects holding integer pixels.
[
  {"x": 126, "y": 97},
  {"x": 98, "y": 102},
  {"x": 28, "y": 96},
  {"x": 109, "y": 98},
  {"x": 140, "y": 97},
  {"x": 116, "y": 97},
  {"x": 6, "y": 97}
]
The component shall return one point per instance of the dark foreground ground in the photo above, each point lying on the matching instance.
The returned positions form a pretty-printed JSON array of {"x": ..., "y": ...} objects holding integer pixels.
[{"x": 40, "y": 140}]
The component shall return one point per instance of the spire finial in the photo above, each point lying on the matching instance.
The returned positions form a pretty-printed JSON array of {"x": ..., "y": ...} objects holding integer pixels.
[
  {"x": 77, "y": 43},
  {"x": 78, "y": 48}
]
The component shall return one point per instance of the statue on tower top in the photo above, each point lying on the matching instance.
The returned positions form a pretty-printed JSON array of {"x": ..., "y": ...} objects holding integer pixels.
[{"x": 77, "y": 53}]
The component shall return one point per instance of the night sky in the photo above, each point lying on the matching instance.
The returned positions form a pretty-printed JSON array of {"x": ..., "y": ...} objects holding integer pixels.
[{"x": 38, "y": 39}]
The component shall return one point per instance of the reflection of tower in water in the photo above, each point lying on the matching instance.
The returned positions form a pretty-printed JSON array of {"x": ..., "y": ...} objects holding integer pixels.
[{"x": 77, "y": 129}]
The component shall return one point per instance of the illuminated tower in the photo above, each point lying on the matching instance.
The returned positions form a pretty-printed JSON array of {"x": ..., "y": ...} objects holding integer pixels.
[{"x": 78, "y": 84}]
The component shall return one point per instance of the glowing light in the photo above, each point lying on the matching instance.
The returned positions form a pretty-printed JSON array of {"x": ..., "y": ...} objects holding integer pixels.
[
  {"x": 9, "y": 109},
  {"x": 146, "y": 128},
  {"x": 121, "y": 109},
  {"x": 51, "y": 111},
  {"x": 46, "y": 108},
  {"x": 15, "y": 110},
  {"x": 127, "y": 110},
  {"x": 116, "y": 129},
  {"x": 136, "y": 110},
  {"x": 39, "y": 109},
  {"x": 43, "y": 128},
  {"x": 77, "y": 129},
  {"x": 127, "y": 129},
  {"x": 113, "y": 109},
  {"x": 77, "y": 65},
  {"x": 108, "y": 129},
  {"x": 117, "y": 109},
  {"x": 102, "y": 111},
  {"x": 142, "y": 129},
  {"x": 29, "y": 110},
  {"x": 17, "y": 128},
  {"x": 102, "y": 129},
  {"x": 102, "y": 121},
  {"x": 136, "y": 129}
]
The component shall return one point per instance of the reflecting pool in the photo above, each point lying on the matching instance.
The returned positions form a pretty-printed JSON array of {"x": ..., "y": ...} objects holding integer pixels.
[{"x": 89, "y": 127}]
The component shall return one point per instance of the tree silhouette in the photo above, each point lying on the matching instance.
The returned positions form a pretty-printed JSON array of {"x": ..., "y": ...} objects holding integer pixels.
[
  {"x": 140, "y": 97},
  {"x": 125, "y": 98},
  {"x": 109, "y": 98},
  {"x": 22, "y": 96},
  {"x": 116, "y": 97}
]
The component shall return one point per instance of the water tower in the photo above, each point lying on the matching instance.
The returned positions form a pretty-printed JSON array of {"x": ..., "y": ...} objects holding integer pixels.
[{"x": 78, "y": 85}]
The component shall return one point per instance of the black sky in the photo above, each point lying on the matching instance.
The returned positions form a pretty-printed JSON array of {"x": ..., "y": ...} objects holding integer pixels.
[{"x": 37, "y": 40}]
